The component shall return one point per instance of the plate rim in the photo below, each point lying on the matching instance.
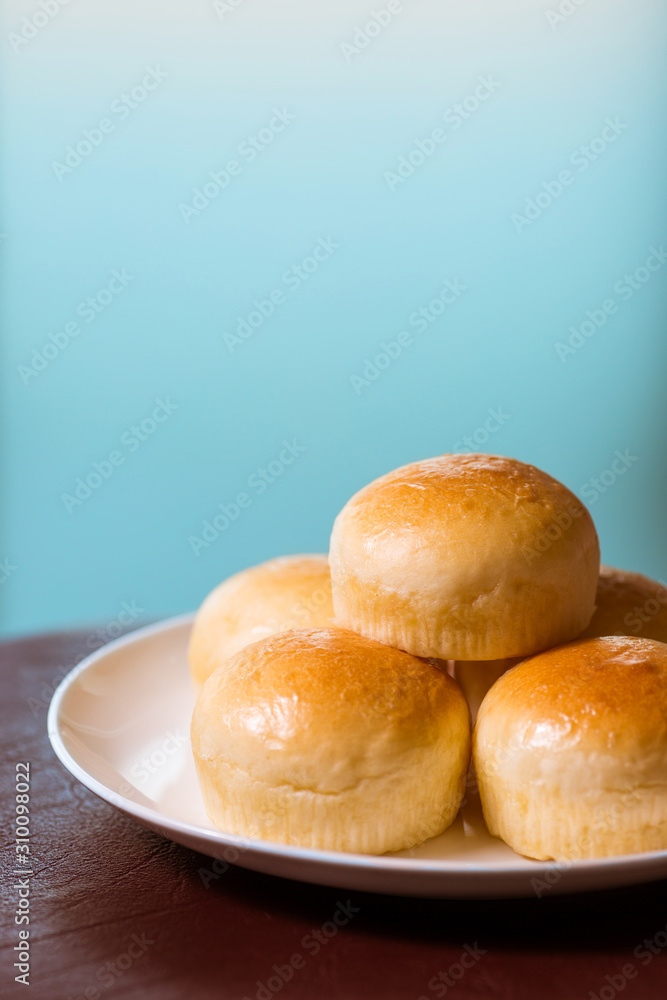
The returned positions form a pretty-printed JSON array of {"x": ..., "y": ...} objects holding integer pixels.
[{"x": 347, "y": 860}]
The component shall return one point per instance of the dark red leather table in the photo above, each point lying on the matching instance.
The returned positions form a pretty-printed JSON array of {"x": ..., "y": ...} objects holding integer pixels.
[{"x": 117, "y": 911}]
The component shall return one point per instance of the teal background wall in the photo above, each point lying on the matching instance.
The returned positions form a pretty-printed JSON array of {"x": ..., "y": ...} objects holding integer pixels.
[{"x": 480, "y": 204}]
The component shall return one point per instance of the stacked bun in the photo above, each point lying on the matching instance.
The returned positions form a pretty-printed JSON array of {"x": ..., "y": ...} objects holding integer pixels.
[
  {"x": 284, "y": 593},
  {"x": 342, "y": 730},
  {"x": 470, "y": 557},
  {"x": 625, "y": 604},
  {"x": 628, "y": 604}
]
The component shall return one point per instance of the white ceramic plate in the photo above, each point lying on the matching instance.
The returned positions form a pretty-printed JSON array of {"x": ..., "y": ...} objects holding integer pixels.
[{"x": 120, "y": 723}]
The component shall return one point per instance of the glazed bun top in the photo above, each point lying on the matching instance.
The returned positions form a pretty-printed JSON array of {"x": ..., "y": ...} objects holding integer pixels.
[
  {"x": 324, "y": 709},
  {"x": 602, "y": 701},
  {"x": 459, "y": 505},
  {"x": 496, "y": 557}
]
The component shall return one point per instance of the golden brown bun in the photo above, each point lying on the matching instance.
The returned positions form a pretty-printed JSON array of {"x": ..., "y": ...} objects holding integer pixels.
[
  {"x": 476, "y": 677},
  {"x": 570, "y": 749},
  {"x": 629, "y": 604},
  {"x": 626, "y": 604},
  {"x": 465, "y": 557},
  {"x": 324, "y": 739},
  {"x": 284, "y": 593}
]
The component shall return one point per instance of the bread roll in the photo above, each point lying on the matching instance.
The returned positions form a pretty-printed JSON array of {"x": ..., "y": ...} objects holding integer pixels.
[
  {"x": 284, "y": 593},
  {"x": 625, "y": 604},
  {"x": 570, "y": 749},
  {"x": 324, "y": 739},
  {"x": 628, "y": 604},
  {"x": 465, "y": 557}
]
